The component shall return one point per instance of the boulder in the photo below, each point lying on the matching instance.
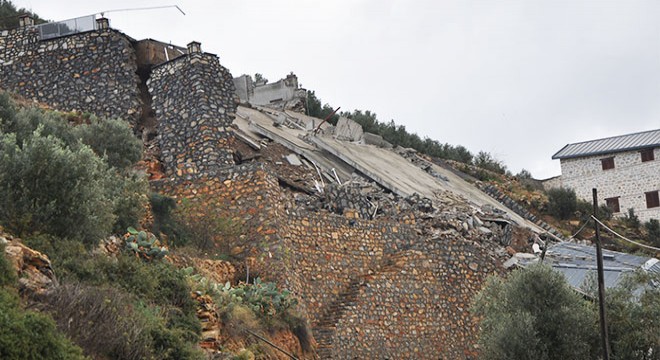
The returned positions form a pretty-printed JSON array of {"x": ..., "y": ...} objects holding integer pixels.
[{"x": 34, "y": 270}]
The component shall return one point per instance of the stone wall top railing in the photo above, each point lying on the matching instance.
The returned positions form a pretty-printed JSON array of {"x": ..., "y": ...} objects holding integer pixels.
[{"x": 67, "y": 27}]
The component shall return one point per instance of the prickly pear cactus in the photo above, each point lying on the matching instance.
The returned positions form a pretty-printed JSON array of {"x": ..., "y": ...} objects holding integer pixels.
[{"x": 144, "y": 245}]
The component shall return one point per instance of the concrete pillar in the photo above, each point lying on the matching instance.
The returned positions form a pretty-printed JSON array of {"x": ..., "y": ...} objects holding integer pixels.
[
  {"x": 194, "y": 47},
  {"x": 25, "y": 20},
  {"x": 102, "y": 23}
]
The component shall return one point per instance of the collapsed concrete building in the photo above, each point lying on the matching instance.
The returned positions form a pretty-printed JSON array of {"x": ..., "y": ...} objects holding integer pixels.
[
  {"x": 283, "y": 94},
  {"x": 384, "y": 248}
]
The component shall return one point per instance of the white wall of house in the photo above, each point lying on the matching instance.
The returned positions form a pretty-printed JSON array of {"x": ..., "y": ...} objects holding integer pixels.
[{"x": 629, "y": 180}]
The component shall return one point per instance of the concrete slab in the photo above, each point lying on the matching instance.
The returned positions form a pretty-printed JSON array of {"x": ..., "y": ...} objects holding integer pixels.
[
  {"x": 257, "y": 124},
  {"x": 385, "y": 167}
]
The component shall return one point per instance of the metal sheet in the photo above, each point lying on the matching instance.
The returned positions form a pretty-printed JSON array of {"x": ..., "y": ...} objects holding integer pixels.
[{"x": 629, "y": 142}]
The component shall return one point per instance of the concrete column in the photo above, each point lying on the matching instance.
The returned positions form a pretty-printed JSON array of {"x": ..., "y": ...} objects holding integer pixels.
[
  {"x": 102, "y": 23},
  {"x": 25, "y": 20},
  {"x": 194, "y": 47}
]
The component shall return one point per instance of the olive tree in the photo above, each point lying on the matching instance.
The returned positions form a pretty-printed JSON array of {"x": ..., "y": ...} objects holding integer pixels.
[{"x": 534, "y": 314}]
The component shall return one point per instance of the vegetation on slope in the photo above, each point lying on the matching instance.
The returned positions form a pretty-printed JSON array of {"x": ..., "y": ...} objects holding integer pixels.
[
  {"x": 534, "y": 314},
  {"x": 27, "y": 334},
  {"x": 69, "y": 180}
]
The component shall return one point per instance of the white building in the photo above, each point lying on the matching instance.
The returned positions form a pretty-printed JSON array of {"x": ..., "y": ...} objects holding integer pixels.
[{"x": 625, "y": 169}]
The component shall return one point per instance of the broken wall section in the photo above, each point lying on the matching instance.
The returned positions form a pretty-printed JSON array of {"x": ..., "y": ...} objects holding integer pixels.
[
  {"x": 193, "y": 96},
  {"x": 282, "y": 94},
  {"x": 93, "y": 71}
]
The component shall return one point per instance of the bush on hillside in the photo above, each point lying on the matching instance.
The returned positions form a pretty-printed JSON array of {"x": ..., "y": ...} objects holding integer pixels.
[
  {"x": 166, "y": 314},
  {"x": 200, "y": 226},
  {"x": 653, "y": 231},
  {"x": 633, "y": 315},
  {"x": 562, "y": 202},
  {"x": 27, "y": 335},
  {"x": 102, "y": 320},
  {"x": 48, "y": 187},
  {"x": 486, "y": 161},
  {"x": 52, "y": 182},
  {"x": 534, "y": 314},
  {"x": 632, "y": 220},
  {"x": 124, "y": 327},
  {"x": 113, "y": 140},
  {"x": 7, "y": 272},
  {"x": 165, "y": 223},
  {"x": 130, "y": 200}
]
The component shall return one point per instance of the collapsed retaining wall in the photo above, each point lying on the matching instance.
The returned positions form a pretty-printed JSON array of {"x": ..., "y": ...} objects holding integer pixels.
[
  {"x": 93, "y": 71},
  {"x": 405, "y": 295},
  {"x": 413, "y": 295}
]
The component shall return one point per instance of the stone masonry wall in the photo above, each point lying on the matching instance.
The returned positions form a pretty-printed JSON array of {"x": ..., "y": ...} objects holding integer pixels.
[
  {"x": 629, "y": 180},
  {"x": 93, "y": 71},
  {"x": 193, "y": 97},
  {"x": 419, "y": 307},
  {"x": 331, "y": 250},
  {"x": 381, "y": 291},
  {"x": 412, "y": 294}
]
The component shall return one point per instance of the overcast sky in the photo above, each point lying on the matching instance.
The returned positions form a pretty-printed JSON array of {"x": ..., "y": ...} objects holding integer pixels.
[{"x": 519, "y": 79}]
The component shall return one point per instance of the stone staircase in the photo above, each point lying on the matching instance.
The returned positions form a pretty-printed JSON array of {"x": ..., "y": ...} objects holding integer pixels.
[{"x": 324, "y": 331}]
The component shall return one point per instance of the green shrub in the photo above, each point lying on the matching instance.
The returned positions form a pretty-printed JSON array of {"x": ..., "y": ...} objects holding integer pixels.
[
  {"x": 70, "y": 259},
  {"x": 161, "y": 291},
  {"x": 7, "y": 272},
  {"x": 50, "y": 188},
  {"x": 130, "y": 200},
  {"x": 485, "y": 160},
  {"x": 102, "y": 320},
  {"x": 124, "y": 326},
  {"x": 26, "y": 335},
  {"x": 632, "y": 220},
  {"x": 534, "y": 314},
  {"x": 28, "y": 120},
  {"x": 163, "y": 209},
  {"x": 562, "y": 202},
  {"x": 113, "y": 140},
  {"x": 7, "y": 112},
  {"x": 53, "y": 179},
  {"x": 200, "y": 226},
  {"x": 159, "y": 283},
  {"x": 633, "y": 313},
  {"x": 653, "y": 231}
]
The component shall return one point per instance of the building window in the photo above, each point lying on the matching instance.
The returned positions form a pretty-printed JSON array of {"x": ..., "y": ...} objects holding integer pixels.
[
  {"x": 652, "y": 199},
  {"x": 647, "y": 155},
  {"x": 613, "y": 204},
  {"x": 608, "y": 163}
]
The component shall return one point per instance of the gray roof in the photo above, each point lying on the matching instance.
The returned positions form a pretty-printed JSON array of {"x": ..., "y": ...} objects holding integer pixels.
[
  {"x": 576, "y": 261},
  {"x": 629, "y": 142}
]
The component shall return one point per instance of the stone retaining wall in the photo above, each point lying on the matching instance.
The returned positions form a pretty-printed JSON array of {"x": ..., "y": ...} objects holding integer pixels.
[
  {"x": 418, "y": 308},
  {"x": 331, "y": 250},
  {"x": 413, "y": 294},
  {"x": 93, "y": 71},
  {"x": 194, "y": 100}
]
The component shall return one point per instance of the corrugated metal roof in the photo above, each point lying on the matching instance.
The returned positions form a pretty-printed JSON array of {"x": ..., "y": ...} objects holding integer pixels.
[
  {"x": 577, "y": 261},
  {"x": 636, "y": 141}
]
